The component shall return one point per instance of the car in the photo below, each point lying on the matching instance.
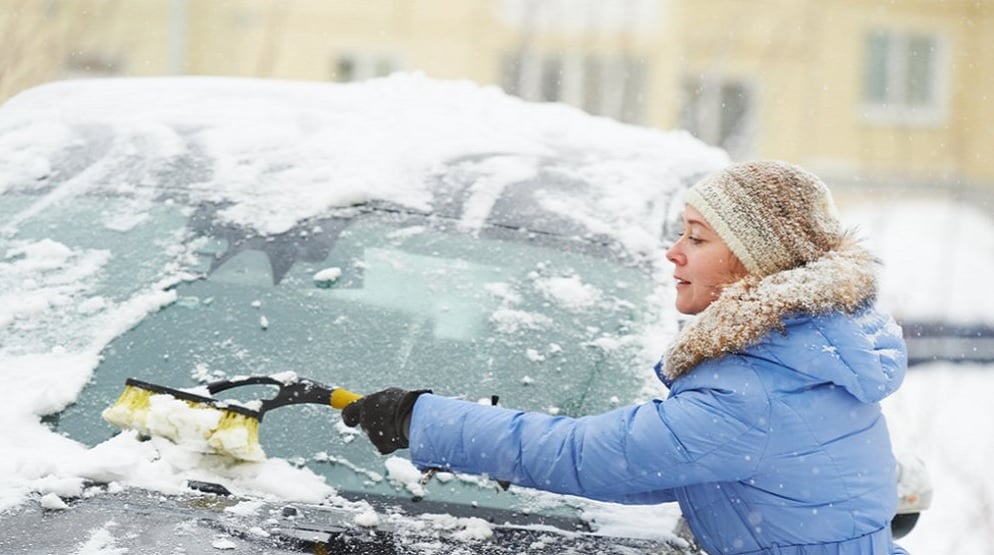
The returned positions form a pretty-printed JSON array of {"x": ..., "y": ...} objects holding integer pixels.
[
  {"x": 954, "y": 326},
  {"x": 403, "y": 232}
]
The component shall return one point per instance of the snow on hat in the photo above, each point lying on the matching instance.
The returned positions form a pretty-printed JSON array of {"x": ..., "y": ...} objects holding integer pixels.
[{"x": 772, "y": 215}]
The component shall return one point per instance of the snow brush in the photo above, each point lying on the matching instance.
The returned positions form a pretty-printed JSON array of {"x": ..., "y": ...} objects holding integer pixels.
[{"x": 214, "y": 425}]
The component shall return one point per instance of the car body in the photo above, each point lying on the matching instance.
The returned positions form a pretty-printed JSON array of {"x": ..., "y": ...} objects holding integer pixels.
[
  {"x": 951, "y": 322},
  {"x": 401, "y": 232}
]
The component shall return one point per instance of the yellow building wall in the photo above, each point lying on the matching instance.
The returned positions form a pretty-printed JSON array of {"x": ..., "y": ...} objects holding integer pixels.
[
  {"x": 802, "y": 58},
  {"x": 934, "y": 148},
  {"x": 806, "y": 59},
  {"x": 765, "y": 44},
  {"x": 975, "y": 94},
  {"x": 46, "y": 41},
  {"x": 301, "y": 40}
]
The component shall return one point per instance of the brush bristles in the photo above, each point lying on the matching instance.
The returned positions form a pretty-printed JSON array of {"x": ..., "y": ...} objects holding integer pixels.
[
  {"x": 237, "y": 435},
  {"x": 130, "y": 410},
  {"x": 202, "y": 426}
]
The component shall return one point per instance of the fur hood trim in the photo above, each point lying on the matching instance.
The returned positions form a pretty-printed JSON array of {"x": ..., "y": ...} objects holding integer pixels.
[{"x": 844, "y": 279}]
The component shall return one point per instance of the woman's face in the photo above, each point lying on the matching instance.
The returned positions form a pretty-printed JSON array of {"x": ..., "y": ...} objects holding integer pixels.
[{"x": 704, "y": 264}]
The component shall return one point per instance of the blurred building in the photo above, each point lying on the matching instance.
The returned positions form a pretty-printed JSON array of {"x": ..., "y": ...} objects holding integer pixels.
[{"x": 874, "y": 94}]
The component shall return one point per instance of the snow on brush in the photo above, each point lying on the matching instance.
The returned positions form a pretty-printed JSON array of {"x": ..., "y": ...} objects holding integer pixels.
[{"x": 196, "y": 426}]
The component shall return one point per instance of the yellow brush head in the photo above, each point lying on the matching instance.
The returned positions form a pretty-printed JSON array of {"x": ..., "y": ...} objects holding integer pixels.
[{"x": 200, "y": 423}]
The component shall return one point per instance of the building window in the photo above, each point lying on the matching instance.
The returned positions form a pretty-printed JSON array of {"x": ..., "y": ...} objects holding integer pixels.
[
  {"x": 358, "y": 67},
  {"x": 904, "y": 78},
  {"x": 551, "y": 83},
  {"x": 720, "y": 112},
  {"x": 571, "y": 16},
  {"x": 612, "y": 86},
  {"x": 81, "y": 64}
]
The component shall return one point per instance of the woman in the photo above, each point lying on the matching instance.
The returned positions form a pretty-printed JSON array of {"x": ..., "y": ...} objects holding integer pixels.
[{"x": 771, "y": 438}]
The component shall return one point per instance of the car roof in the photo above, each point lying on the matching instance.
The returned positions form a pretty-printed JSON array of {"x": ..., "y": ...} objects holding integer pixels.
[{"x": 274, "y": 154}]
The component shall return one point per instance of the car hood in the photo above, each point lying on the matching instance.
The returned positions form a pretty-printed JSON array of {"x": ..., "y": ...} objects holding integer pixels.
[{"x": 208, "y": 522}]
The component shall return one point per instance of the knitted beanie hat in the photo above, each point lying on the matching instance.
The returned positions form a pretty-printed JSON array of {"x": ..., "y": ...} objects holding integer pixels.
[{"x": 772, "y": 215}]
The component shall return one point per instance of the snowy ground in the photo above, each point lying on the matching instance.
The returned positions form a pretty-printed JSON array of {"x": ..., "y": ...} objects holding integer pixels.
[
  {"x": 944, "y": 415},
  {"x": 937, "y": 255}
]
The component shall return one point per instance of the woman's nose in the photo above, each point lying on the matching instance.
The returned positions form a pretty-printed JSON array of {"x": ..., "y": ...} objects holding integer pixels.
[{"x": 674, "y": 255}]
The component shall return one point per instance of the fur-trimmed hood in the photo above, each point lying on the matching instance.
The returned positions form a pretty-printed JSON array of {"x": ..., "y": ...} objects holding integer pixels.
[{"x": 843, "y": 280}]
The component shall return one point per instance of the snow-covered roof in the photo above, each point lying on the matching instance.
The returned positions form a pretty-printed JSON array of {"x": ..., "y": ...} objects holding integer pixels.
[{"x": 281, "y": 152}]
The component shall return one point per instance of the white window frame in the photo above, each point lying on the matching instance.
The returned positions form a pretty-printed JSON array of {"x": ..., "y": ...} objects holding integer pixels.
[
  {"x": 89, "y": 64},
  {"x": 366, "y": 65},
  {"x": 641, "y": 17},
  {"x": 896, "y": 109}
]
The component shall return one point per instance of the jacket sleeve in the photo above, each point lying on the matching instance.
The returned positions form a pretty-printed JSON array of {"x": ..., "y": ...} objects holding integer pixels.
[{"x": 633, "y": 454}]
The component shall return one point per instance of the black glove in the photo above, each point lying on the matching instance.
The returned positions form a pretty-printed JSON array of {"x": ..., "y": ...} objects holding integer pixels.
[{"x": 384, "y": 416}]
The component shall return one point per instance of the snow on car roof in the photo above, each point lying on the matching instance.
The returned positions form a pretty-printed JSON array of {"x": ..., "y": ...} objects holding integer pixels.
[{"x": 281, "y": 152}]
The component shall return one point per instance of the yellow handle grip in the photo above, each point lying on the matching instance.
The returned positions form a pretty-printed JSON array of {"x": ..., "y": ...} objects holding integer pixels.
[{"x": 341, "y": 398}]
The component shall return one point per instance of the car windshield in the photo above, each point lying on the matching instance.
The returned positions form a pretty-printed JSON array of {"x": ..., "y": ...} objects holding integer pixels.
[{"x": 364, "y": 300}]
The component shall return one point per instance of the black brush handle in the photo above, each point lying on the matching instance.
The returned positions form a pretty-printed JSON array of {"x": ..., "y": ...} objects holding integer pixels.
[
  {"x": 299, "y": 392},
  {"x": 222, "y": 385}
]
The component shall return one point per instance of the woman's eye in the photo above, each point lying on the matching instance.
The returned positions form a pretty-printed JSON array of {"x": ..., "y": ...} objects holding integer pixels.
[
  {"x": 695, "y": 240},
  {"x": 675, "y": 236}
]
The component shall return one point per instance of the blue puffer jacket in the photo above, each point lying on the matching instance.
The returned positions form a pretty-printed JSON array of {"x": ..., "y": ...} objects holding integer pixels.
[{"x": 777, "y": 448}]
